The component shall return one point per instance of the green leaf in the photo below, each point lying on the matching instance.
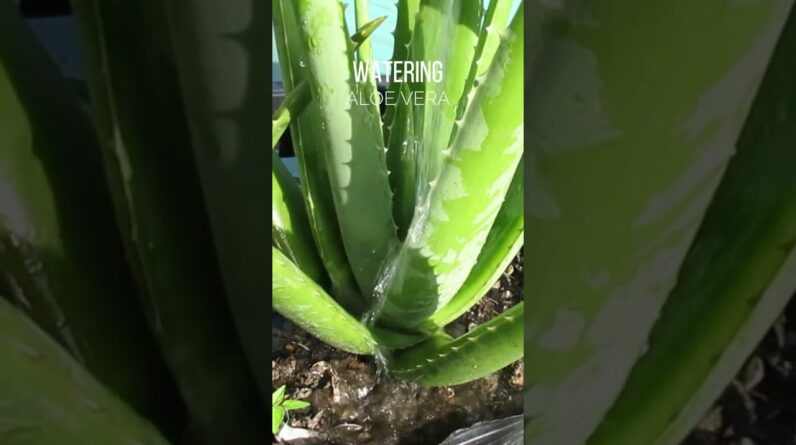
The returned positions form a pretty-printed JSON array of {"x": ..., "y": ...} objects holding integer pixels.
[
  {"x": 351, "y": 133},
  {"x": 628, "y": 149},
  {"x": 452, "y": 225},
  {"x": 504, "y": 241},
  {"x": 299, "y": 97},
  {"x": 277, "y": 416},
  {"x": 278, "y": 396},
  {"x": 294, "y": 103},
  {"x": 303, "y": 302},
  {"x": 480, "y": 352},
  {"x": 308, "y": 142},
  {"x": 48, "y": 398},
  {"x": 295, "y": 404},
  {"x": 163, "y": 215},
  {"x": 223, "y": 65},
  {"x": 735, "y": 281},
  {"x": 404, "y": 27},
  {"x": 289, "y": 225},
  {"x": 495, "y": 22},
  {"x": 421, "y": 157},
  {"x": 365, "y": 31}
]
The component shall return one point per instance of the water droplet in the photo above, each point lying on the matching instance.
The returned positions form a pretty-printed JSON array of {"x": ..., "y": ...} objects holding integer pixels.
[{"x": 302, "y": 63}]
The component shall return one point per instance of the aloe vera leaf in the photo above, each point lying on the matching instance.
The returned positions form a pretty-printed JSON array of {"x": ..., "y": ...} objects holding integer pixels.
[
  {"x": 434, "y": 121},
  {"x": 160, "y": 207},
  {"x": 302, "y": 301},
  {"x": 223, "y": 69},
  {"x": 289, "y": 226},
  {"x": 737, "y": 278},
  {"x": 480, "y": 352},
  {"x": 297, "y": 99},
  {"x": 402, "y": 38},
  {"x": 60, "y": 252},
  {"x": 363, "y": 32},
  {"x": 495, "y": 21},
  {"x": 451, "y": 228},
  {"x": 501, "y": 247},
  {"x": 613, "y": 207},
  {"x": 49, "y": 398},
  {"x": 351, "y": 133},
  {"x": 308, "y": 144},
  {"x": 306, "y": 304},
  {"x": 402, "y": 163},
  {"x": 364, "y": 51},
  {"x": 295, "y": 102}
]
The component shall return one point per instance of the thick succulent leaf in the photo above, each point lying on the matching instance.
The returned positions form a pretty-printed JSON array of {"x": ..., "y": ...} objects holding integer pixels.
[
  {"x": 302, "y": 301},
  {"x": 364, "y": 50},
  {"x": 289, "y": 225},
  {"x": 480, "y": 352},
  {"x": 351, "y": 135},
  {"x": 402, "y": 38},
  {"x": 738, "y": 276},
  {"x": 459, "y": 22},
  {"x": 152, "y": 172},
  {"x": 299, "y": 97},
  {"x": 223, "y": 66},
  {"x": 402, "y": 162},
  {"x": 308, "y": 143},
  {"x": 501, "y": 247},
  {"x": 363, "y": 32},
  {"x": 451, "y": 226},
  {"x": 61, "y": 255},
  {"x": 495, "y": 22},
  {"x": 49, "y": 398},
  {"x": 294, "y": 103},
  {"x": 613, "y": 205}
]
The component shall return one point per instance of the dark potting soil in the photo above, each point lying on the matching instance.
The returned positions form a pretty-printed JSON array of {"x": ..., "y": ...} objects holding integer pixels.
[{"x": 353, "y": 403}]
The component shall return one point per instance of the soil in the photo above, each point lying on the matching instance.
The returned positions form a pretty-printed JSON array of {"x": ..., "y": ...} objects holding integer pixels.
[
  {"x": 759, "y": 407},
  {"x": 353, "y": 402}
]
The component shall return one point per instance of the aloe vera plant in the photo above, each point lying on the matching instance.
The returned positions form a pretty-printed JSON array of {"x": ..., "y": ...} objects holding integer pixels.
[{"x": 401, "y": 222}]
